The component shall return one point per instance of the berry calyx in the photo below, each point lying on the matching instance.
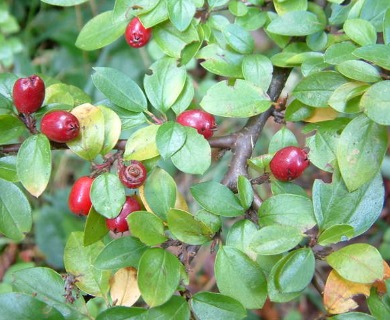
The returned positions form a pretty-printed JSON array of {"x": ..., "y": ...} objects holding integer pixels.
[
  {"x": 289, "y": 163},
  {"x": 133, "y": 175},
  {"x": 136, "y": 34},
  {"x": 28, "y": 94},
  {"x": 79, "y": 198},
  {"x": 60, "y": 126},
  {"x": 119, "y": 224},
  {"x": 202, "y": 121}
]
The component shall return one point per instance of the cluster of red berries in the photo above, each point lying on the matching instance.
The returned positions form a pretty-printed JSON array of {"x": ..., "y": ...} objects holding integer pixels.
[
  {"x": 28, "y": 95},
  {"x": 132, "y": 176}
]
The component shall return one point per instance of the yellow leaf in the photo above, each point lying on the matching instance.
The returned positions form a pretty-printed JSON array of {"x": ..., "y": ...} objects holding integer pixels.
[
  {"x": 141, "y": 191},
  {"x": 181, "y": 202},
  {"x": 124, "y": 287},
  {"x": 322, "y": 114},
  {"x": 338, "y": 293}
]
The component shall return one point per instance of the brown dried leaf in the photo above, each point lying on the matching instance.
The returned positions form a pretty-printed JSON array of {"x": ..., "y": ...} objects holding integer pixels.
[
  {"x": 124, "y": 287},
  {"x": 380, "y": 284},
  {"x": 338, "y": 293}
]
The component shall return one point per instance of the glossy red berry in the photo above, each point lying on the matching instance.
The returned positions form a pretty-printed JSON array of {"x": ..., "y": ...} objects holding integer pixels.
[
  {"x": 119, "y": 224},
  {"x": 60, "y": 126},
  {"x": 133, "y": 175},
  {"x": 79, "y": 198},
  {"x": 28, "y": 94},
  {"x": 289, "y": 163},
  {"x": 136, "y": 34},
  {"x": 200, "y": 120}
]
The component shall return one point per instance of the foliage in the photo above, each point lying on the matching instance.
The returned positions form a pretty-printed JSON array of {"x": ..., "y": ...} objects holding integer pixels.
[{"x": 319, "y": 69}]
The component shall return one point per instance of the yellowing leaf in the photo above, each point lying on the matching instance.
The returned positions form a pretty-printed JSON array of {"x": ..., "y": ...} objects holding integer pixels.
[
  {"x": 181, "y": 202},
  {"x": 124, "y": 287},
  {"x": 141, "y": 191},
  {"x": 338, "y": 293},
  {"x": 322, "y": 114},
  {"x": 142, "y": 144}
]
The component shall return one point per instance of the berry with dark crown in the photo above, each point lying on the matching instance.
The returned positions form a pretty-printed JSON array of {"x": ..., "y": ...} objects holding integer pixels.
[
  {"x": 119, "y": 224},
  {"x": 60, "y": 126},
  {"x": 136, "y": 34}
]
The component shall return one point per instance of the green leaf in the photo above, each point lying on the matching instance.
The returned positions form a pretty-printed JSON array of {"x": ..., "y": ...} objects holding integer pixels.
[
  {"x": 283, "y": 7},
  {"x": 339, "y": 53},
  {"x": 373, "y": 11},
  {"x": 142, "y": 144},
  {"x": 210, "y": 305},
  {"x": 275, "y": 239},
  {"x": 359, "y": 71},
  {"x": 187, "y": 229},
  {"x": 120, "y": 89},
  {"x": 158, "y": 276},
  {"x": 171, "y": 40},
  {"x": 295, "y": 23},
  {"x": 78, "y": 260},
  {"x": 378, "y": 305},
  {"x": 95, "y": 227},
  {"x": 147, "y": 227},
  {"x": 375, "y": 102},
  {"x": 15, "y": 211},
  {"x": 90, "y": 140},
  {"x": 386, "y": 27},
  {"x": 287, "y": 210},
  {"x": 335, "y": 234},
  {"x": 223, "y": 202},
  {"x": 154, "y": 17},
  {"x": 249, "y": 287},
  {"x": 211, "y": 220},
  {"x": 352, "y": 316},
  {"x": 360, "y": 31},
  {"x": 253, "y": 20},
  {"x": 33, "y": 164},
  {"x": 122, "y": 313},
  {"x": 175, "y": 308},
  {"x": 165, "y": 83},
  {"x": 297, "y": 111},
  {"x": 282, "y": 187},
  {"x": 223, "y": 62},
  {"x": 295, "y": 271},
  {"x": 359, "y": 262},
  {"x": 245, "y": 192},
  {"x": 316, "y": 89},
  {"x": 64, "y": 3},
  {"x": 47, "y": 286},
  {"x": 238, "y": 8},
  {"x": 160, "y": 192},
  {"x": 170, "y": 137},
  {"x": 361, "y": 148},
  {"x": 283, "y": 138},
  {"x": 19, "y": 306},
  {"x": 239, "y": 39},
  {"x": 185, "y": 98},
  {"x": 8, "y": 168},
  {"x": 334, "y": 204},
  {"x": 181, "y": 12},
  {"x": 258, "y": 69},
  {"x": 10, "y": 128},
  {"x": 240, "y": 236},
  {"x": 346, "y": 98},
  {"x": 375, "y": 53},
  {"x": 241, "y": 100},
  {"x": 123, "y": 9},
  {"x": 194, "y": 156},
  {"x": 100, "y": 31},
  {"x": 120, "y": 253},
  {"x": 112, "y": 129},
  {"x": 108, "y": 195}
]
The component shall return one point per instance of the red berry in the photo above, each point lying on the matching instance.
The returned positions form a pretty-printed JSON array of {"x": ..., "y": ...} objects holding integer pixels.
[
  {"x": 136, "y": 34},
  {"x": 289, "y": 163},
  {"x": 60, "y": 126},
  {"x": 200, "y": 120},
  {"x": 133, "y": 175},
  {"x": 119, "y": 224},
  {"x": 28, "y": 94},
  {"x": 79, "y": 198}
]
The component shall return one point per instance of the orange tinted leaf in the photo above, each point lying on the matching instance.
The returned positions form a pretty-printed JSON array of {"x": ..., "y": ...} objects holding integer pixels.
[
  {"x": 338, "y": 293},
  {"x": 322, "y": 114},
  {"x": 380, "y": 284},
  {"x": 124, "y": 287}
]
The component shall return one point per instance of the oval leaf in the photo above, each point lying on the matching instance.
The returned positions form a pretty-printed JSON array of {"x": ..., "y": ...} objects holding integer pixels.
[
  {"x": 375, "y": 102},
  {"x": 142, "y": 144},
  {"x": 124, "y": 289}
]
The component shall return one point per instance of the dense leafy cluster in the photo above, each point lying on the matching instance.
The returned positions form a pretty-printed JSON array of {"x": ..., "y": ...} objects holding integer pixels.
[{"x": 322, "y": 67}]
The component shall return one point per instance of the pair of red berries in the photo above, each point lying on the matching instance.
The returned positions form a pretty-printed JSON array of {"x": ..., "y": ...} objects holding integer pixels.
[
  {"x": 289, "y": 163},
  {"x": 28, "y": 95},
  {"x": 132, "y": 176}
]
